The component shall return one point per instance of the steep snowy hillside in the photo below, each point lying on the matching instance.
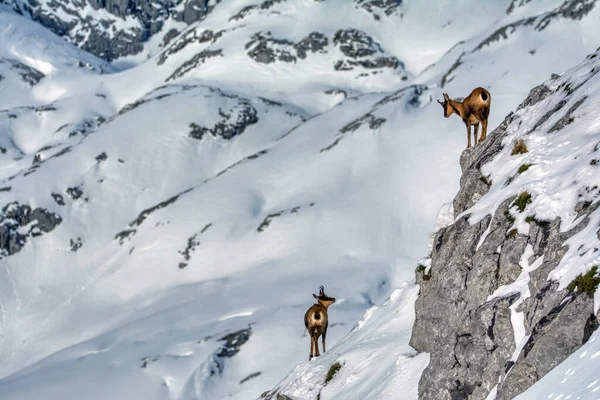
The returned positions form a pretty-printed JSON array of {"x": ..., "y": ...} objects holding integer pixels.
[{"x": 162, "y": 228}]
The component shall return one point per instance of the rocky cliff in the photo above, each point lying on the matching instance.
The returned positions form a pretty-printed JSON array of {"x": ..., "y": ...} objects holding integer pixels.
[
  {"x": 113, "y": 28},
  {"x": 501, "y": 302}
]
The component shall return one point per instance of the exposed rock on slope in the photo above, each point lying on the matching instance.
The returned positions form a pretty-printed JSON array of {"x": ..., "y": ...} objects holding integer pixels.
[
  {"x": 27, "y": 74},
  {"x": 18, "y": 223},
  {"x": 493, "y": 311},
  {"x": 357, "y": 46},
  {"x": 111, "y": 28}
]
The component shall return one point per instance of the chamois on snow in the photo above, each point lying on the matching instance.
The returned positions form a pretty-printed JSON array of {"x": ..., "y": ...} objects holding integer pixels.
[
  {"x": 316, "y": 321},
  {"x": 473, "y": 110}
]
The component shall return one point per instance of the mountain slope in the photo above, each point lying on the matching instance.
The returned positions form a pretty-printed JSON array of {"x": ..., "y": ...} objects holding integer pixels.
[{"x": 163, "y": 227}]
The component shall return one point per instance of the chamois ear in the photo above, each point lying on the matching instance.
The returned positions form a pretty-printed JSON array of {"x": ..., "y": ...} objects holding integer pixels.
[
  {"x": 321, "y": 291},
  {"x": 315, "y": 296},
  {"x": 446, "y": 96}
]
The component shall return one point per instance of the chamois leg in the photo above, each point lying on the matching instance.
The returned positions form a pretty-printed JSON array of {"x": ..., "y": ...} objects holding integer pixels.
[
  {"x": 323, "y": 338},
  {"x": 317, "y": 354},
  {"x": 312, "y": 343},
  {"x": 475, "y": 132},
  {"x": 468, "y": 135},
  {"x": 483, "y": 129}
]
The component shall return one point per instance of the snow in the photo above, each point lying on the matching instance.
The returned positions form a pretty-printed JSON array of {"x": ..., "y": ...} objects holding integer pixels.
[
  {"x": 373, "y": 363},
  {"x": 350, "y": 209},
  {"x": 519, "y": 286},
  {"x": 574, "y": 378}
]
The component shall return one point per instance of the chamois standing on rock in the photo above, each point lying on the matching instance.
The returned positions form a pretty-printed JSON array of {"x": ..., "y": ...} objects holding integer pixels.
[
  {"x": 316, "y": 321},
  {"x": 474, "y": 109}
]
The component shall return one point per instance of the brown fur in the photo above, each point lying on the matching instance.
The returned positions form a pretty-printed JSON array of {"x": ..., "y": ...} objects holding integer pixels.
[
  {"x": 316, "y": 321},
  {"x": 473, "y": 110}
]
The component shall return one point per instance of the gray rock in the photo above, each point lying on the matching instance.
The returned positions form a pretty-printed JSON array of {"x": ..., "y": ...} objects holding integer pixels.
[
  {"x": 169, "y": 36},
  {"x": 570, "y": 9},
  {"x": 535, "y": 95},
  {"x": 100, "y": 36},
  {"x": 265, "y": 49},
  {"x": 244, "y": 12},
  {"x": 192, "y": 36},
  {"x": 355, "y": 44},
  {"x": 361, "y": 50},
  {"x": 470, "y": 339},
  {"x": 314, "y": 42},
  {"x": 388, "y": 7},
  {"x": 567, "y": 118},
  {"x": 516, "y": 3},
  {"x": 554, "y": 337},
  {"x": 473, "y": 184},
  {"x": 76, "y": 244},
  {"x": 233, "y": 342},
  {"x": 75, "y": 192},
  {"x": 233, "y": 122},
  {"x": 19, "y": 223},
  {"x": 522, "y": 376},
  {"x": 194, "y": 11},
  {"x": 195, "y": 62}
]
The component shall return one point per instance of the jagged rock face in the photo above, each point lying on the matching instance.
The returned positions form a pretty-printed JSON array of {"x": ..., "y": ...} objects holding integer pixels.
[
  {"x": 120, "y": 29},
  {"x": 265, "y": 49},
  {"x": 233, "y": 122},
  {"x": 19, "y": 222},
  {"x": 192, "y": 36},
  {"x": 386, "y": 6},
  {"x": 469, "y": 333},
  {"x": 361, "y": 50}
]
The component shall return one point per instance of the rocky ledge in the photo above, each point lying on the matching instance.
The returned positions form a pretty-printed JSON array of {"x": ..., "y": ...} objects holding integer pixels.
[{"x": 483, "y": 333}]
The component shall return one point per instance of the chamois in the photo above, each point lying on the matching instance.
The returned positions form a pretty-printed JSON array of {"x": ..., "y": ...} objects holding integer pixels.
[
  {"x": 316, "y": 321},
  {"x": 474, "y": 109}
]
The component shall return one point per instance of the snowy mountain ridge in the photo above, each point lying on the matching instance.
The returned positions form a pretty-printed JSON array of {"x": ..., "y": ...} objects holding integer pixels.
[{"x": 164, "y": 219}]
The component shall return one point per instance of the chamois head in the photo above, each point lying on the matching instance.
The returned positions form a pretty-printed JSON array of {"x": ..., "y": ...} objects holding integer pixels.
[
  {"x": 448, "y": 109},
  {"x": 323, "y": 299}
]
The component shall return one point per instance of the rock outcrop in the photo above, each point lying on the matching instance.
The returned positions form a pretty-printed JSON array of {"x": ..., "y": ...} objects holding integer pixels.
[
  {"x": 111, "y": 29},
  {"x": 483, "y": 333},
  {"x": 19, "y": 223}
]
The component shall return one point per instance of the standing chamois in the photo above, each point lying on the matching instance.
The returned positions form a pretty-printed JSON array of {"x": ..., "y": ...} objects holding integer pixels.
[
  {"x": 316, "y": 321},
  {"x": 474, "y": 109}
]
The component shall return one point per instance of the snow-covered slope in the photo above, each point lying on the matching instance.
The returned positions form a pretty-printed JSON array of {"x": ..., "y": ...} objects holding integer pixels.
[
  {"x": 575, "y": 378},
  {"x": 162, "y": 228}
]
